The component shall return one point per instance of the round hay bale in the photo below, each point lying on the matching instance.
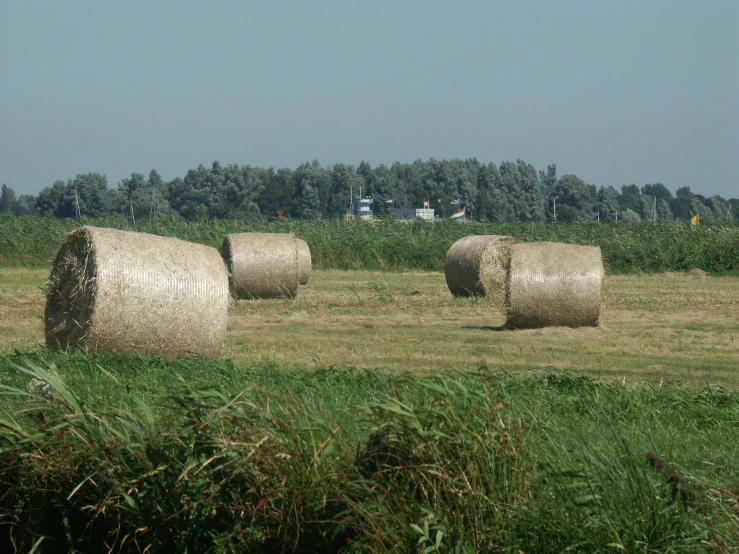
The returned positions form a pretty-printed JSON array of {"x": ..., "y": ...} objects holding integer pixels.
[
  {"x": 262, "y": 265},
  {"x": 121, "y": 291},
  {"x": 304, "y": 262},
  {"x": 553, "y": 284},
  {"x": 478, "y": 265}
]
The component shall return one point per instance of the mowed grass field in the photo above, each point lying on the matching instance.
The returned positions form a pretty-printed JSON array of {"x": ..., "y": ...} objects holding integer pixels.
[
  {"x": 670, "y": 327},
  {"x": 377, "y": 413}
]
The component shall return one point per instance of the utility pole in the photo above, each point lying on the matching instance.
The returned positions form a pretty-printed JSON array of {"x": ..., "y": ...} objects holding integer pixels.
[
  {"x": 654, "y": 210},
  {"x": 133, "y": 219},
  {"x": 554, "y": 199},
  {"x": 151, "y": 210},
  {"x": 405, "y": 193},
  {"x": 76, "y": 203}
]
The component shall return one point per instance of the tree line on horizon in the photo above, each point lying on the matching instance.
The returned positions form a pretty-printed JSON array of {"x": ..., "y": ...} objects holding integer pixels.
[{"x": 506, "y": 192}]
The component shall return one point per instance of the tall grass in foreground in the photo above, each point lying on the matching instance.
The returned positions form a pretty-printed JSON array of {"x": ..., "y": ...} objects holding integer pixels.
[
  {"x": 133, "y": 454},
  {"x": 392, "y": 245}
]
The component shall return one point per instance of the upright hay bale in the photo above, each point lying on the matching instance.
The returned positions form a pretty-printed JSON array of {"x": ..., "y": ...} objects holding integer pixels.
[
  {"x": 262, "y": 265},
  {"x": 120, "y": 291},
  {"x": 304, "y": 262},
  {"x": 552, "y": 284},
  {"x": 478, "y": 265}
]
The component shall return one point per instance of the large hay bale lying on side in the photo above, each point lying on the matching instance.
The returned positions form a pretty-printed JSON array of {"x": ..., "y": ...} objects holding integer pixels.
[
  {"x": 262, "y": 265},
  {"x": 553, "y": 284},
  {"x": 478, "y": 265},
  {"x": 304, "y": 262},
  {"x": 121, "y": 291}
]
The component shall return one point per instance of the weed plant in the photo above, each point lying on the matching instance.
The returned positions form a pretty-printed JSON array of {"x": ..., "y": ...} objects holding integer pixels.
[
  {"x": 393, "y": 245},
  {"x": 132, "y": 454}
]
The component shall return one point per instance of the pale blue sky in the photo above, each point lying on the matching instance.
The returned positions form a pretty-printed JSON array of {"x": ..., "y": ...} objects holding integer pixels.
[{"x": 615, "y": 91}]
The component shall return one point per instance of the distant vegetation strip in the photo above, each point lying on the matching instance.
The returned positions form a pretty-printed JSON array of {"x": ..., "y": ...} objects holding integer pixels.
[
  {"x": 507, "y": 192},
  {"x": 397, "y": 246},
  {"x": 132, "y": 454}
]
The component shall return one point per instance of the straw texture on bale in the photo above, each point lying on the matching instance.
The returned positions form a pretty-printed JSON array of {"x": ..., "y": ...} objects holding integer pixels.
[
  {"x": 304, "y": 262},
  {"x": 262, "y": 265},
  {"x": 477, "y": 265},
  {"x": 553, "y": 284},
  {"x": 121, "y": 291}
]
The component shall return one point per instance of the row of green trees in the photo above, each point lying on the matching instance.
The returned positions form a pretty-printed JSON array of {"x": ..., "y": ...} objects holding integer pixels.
[{"x": 508, "y": 192}]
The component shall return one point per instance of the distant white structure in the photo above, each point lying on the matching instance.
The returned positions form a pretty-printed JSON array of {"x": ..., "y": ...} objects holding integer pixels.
[{"x": 411, "y": 213}]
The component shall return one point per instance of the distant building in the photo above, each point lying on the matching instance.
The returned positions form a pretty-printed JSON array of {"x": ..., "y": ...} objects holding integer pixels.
[
  {"x": 361, "y": 209},
  {"x": 411, "y": 213}
]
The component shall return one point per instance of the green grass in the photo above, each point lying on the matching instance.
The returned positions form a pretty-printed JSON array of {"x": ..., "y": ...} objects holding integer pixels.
[
  {"x": 391, "y": 245},
  {"x": 131, "y": 453}
]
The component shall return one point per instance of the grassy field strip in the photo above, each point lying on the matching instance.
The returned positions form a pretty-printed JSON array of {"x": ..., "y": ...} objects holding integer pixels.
[
  {"x": 390, "y": 245},
  {"x": 670, "y": 326},
  {"x": 211, "y": 456}
]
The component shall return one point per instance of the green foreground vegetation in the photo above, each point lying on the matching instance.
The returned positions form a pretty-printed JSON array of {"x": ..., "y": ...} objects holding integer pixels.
[
  {"x": 392, "y": 245},
  {"x": 135, "y": 454}
]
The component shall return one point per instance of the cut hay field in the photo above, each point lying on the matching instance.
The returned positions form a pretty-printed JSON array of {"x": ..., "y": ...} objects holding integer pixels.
[
  {"x": 377, "y": 413},
  {"x": 671, "y": 327}
]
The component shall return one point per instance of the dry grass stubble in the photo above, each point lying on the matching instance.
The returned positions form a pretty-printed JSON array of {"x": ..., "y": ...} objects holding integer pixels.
[{"x": 674, "y": 327}]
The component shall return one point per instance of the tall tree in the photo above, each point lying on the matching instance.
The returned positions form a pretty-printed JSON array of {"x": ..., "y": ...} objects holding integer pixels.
[
  {"x": 664, "y": 213},
  {"x": 235, "y": 194},
  {"x": 510, "y": 184},
  {"x": 386, "y": 186},
  {"x": 533, "y": 193},
  {"x": 88, "y": 191},
  {"x": 313, "y": 186},
  {"x": 718, "y": 206},
  {"x": 278, "y": 193},
  {"x": 190, "y": 197},
  {"x": 698, "y": 206},
  {"x": 493, "y": 195},
  {"x": 630, "y": 198},
  {"x": 548, "y": 179},
  {"x": 733, "y": 207},
  {"x": 132, "y": 196},
  {"x": 575, "y": 199},
  {"x": 8, "y": 201},
  {"x": 608, "y": 203},
  {"x": 682, "y": 204},
  {"x": 344, "y": 183},
  {"x": 155, "y": 180},
  {"x": 656, "y": 196},
  {"x": 48, "y": 199},
  {"x": 144, "y": 197},
  {"x": 657, "y": 190}
]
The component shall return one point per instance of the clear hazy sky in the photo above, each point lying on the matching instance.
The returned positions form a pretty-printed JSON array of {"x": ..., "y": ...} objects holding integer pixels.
[{"x": 615, "y": 91}]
